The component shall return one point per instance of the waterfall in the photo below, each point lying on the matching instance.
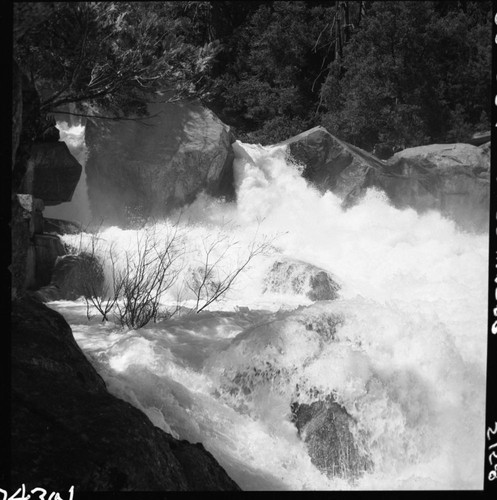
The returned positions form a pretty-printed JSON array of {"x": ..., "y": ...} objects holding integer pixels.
[{"x": 400, "y": 353}]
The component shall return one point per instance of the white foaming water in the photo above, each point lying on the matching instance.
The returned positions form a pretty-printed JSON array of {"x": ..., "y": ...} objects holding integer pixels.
[{"x": 407, "y": 359}]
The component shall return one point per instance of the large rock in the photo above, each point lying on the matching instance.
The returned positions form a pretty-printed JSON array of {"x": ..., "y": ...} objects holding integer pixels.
[
  {"x": 479, "y": 138},
  {"x": 33, "y": 253},
  {"x": 291, "y": 276},
  {"x": 144, "y": 168},
  {"x": 20, "y": 231},
  {"x": 74, "y": 276},
  {"x": 332, "y": 164},
  {"x": 451, "y": 178},
  {"x": 68, "y": 430},
  {"x": 32, "y": 212},
  {"x": 42, "y": 253},
  {"x": 325, "y": 428},
  {"x": 52, "y": 173}
]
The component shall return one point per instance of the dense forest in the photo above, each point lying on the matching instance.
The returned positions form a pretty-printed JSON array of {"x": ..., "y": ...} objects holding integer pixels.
[{"x": 380, "y": 75}]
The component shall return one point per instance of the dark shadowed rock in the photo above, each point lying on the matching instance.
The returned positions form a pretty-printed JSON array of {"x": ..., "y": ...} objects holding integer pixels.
[
  {"x": 20, "y": 238},
  {"x": 74, "y": 276},
  {"x": 61, "y": 227},
  {"x": 52, "y": 173},
  {"x": 296, "y": 277},
  {"x": 451, "y": 178},
  {"x": 479, "y": 138},
  {"x": 144, "y": 168},
  {"x": 324, "y": 427},
  {"x": 332, "y": 164},
  {"x": 43, "y": 251},
  {"x": 32, "y": 212},
  {"x": 68, "y": 430},
  {"x": 33, "y": 253}
]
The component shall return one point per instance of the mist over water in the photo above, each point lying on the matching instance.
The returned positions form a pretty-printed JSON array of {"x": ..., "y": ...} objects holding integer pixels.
[{"x": 406, "y": 357}]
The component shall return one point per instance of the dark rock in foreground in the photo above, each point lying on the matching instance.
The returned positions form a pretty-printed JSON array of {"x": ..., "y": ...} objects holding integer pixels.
[
  {"x": 324, "y": 427},
  {"x": 296, "y": 277},
  {"x": 68, "y": 430}
]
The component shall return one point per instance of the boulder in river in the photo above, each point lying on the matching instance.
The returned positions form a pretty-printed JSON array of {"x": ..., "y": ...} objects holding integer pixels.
[
  {"x": 451, "y": 178},
  {"x": 332, "y": 164},
  {"x": 296, "y": 277},
  {"x": 324, "y": 427},
  {"x": 146, "y": 167},
  {"x": 74, "y": 276}
]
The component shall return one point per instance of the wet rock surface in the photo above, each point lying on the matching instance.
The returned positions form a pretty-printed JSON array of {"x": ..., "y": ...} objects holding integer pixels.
[
  {"x": 296, "y": 277},
  {"x": 74, "y": 276},
  {"x": 143, "y": 169},
  {"x": 332, "y": 164},
  {"x": 68, "y": 430},
  {"x": 43, "y": 252},
  {"x": 324, "y": 427},
  {"x": 450, "y": 178}
]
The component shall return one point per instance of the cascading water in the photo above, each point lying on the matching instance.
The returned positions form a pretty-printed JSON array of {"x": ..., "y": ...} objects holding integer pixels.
[{"x": 401, "y": 351}]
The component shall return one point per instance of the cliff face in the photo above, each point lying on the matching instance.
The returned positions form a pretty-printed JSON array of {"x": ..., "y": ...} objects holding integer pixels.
[
  {"x": 145, "y": 168},
  {"x": 68, "y": 430}
]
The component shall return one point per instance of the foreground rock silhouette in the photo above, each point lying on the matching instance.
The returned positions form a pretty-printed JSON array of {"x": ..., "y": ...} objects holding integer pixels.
[{"x": 68, "y": 430}]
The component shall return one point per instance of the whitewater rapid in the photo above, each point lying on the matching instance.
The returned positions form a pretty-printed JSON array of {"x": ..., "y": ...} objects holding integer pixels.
[{"x": 407, "y": 360}]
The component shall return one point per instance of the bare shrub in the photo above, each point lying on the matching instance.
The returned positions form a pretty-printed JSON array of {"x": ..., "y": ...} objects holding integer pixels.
[
  {"x": 215, "y": 276},
  {"x": 140, "y": 279},
  {"x": 146, "y": 276},
  {"x": 103, "y": 297}
]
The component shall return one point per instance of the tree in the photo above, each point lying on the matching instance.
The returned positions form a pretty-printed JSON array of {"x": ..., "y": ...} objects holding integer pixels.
[
  {"x": 112, "y": 56},
  {"x": 414, "y": 73},
  {"x": 268, "y": 85}
]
